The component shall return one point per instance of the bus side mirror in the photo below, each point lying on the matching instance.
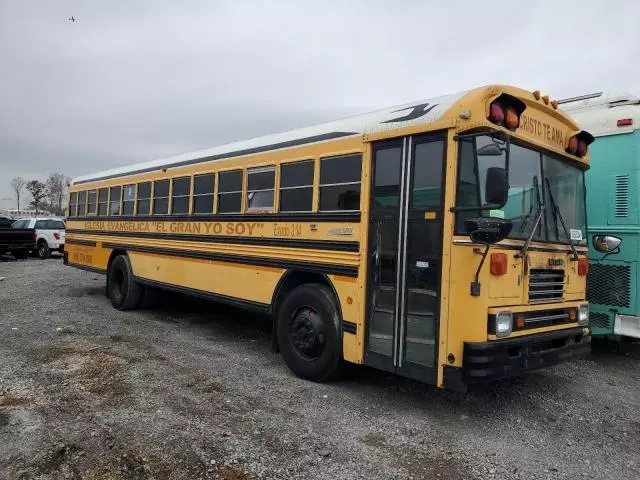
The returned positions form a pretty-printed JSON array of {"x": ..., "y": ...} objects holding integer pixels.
[
  {"x": 606, "y": 243},
  {"x": 496, "y": 187}
]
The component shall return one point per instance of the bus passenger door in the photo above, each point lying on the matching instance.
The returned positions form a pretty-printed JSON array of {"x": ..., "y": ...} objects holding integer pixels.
[{"x": 405, "y": 255}]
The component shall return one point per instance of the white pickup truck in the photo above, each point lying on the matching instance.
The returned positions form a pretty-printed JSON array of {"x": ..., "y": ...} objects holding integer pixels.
[{"x": 49, "y": 234}]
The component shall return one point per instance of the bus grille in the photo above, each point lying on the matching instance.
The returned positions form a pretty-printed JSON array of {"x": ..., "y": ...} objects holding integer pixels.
[
  {"x": 546, "y": 285},
  {"x": 599, "y": 320},
  {"x": 609, "y": 285},
  {"x": 546, "y": 318}
]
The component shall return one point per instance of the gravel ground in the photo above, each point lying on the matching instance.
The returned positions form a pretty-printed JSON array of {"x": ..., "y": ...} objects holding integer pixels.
[{"x": 184, "y": 389}]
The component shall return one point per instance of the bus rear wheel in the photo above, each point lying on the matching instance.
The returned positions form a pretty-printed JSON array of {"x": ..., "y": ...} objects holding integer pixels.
[
  {"x": 308, "y": 332},
  {"x": 124, "y": 292}
]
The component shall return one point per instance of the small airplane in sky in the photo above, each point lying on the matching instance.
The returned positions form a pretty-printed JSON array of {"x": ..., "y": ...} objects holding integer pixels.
[{"x": 72, "y": 19}]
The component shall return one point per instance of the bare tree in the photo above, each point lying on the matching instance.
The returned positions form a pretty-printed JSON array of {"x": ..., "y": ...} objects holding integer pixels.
[
  {"x": 56, "y": 190},
  {"x": 38, "y": 191},
  {"x": 17, "y": 184}
]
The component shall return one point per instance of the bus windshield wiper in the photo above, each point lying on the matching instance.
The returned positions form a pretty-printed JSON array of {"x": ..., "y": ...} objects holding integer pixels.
[
  {"x": 557, "y": 214},
  {"x": 541, "y": 208}
]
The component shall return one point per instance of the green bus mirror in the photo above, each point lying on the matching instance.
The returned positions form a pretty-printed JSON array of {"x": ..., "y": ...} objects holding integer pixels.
[{"x": 606, "y": 243}]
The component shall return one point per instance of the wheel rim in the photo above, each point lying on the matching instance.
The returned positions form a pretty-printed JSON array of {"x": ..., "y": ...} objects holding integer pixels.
[
  {"x": 42, "y": 250},
  {"x": 307, "y": 333}
]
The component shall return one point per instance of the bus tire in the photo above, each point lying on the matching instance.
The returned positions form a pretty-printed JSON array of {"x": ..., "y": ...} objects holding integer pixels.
[
  {"x": 308, "y": 332},
  {"x": 124, "y": 292}
]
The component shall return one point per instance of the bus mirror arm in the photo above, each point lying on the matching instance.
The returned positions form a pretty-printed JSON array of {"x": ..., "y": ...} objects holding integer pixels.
[
  {"x": 475, "y": 285},
  {"x": 485, "y": 231},
  {"x": 616, "y": 250}
]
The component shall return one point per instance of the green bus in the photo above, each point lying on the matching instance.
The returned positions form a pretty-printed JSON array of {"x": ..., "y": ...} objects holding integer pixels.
[{"x": 613, "y": 209}]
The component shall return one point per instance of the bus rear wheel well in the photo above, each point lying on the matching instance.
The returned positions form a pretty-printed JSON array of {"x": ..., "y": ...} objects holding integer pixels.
[
  {"x": 113, "y": 255},
  {"x": 289, "y": 281}
]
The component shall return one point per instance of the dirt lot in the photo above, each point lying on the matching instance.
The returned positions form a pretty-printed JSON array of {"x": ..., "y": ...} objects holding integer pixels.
[{"x": 185, "y": 389}]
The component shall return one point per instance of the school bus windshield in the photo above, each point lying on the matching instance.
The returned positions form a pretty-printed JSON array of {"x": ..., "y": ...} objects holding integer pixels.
[{"x": 535, "y": 179}]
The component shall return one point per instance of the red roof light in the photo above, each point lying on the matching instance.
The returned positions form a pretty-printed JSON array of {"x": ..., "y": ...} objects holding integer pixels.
[
  {"x": 625, "y": 122},
  {"x": 496, "y": 113}
]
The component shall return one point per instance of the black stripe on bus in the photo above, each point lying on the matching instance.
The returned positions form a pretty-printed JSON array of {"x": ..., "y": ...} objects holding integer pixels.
[
  {"x": 273, "y": 242},
  {"x": 349, "y": 327},
  {"x": 237, "y": 302},
  {"x": 73, "y": 241},
  {"x": 87, "y": 268},
  {"x": 351, "y": 217},
  {"x": 237, "y": 153},
  {"x": 246, "y": 260}
]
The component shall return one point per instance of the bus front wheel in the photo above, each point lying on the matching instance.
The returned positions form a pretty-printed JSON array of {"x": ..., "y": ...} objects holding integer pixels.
[
  {"x": 308, "y": 332},
  {"x": 124, "y": 292}
]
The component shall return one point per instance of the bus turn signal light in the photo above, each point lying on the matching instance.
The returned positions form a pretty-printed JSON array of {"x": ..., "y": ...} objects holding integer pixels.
[
  {"x": 583, "y": 266},
  {"x": 498, "y": 263}
]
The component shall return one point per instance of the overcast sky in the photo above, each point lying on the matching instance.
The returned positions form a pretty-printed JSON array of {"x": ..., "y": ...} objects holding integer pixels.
[{"x": 131, "y": 81}]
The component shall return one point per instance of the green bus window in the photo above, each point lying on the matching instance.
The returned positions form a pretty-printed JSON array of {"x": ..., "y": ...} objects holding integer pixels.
[
  {"x": 103, "y": 197},
  {"x": 114, "y": 202},
  {"x": 180, "y": 195},
  {"x": 296, "y": 186},
  {"x": 230, "y": 191},
  {"x": 203, "y": 187},
  {"x": 340, "y": 183},
  {"x": 260, "y": 188}
]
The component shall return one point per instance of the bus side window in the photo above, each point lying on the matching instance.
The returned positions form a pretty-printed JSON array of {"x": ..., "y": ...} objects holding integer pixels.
[
  {"x": 340, "y": 182},
  {"x": 103, "y": 196},
  {"x": 203, "y": 188},
  {"x": 230, "y": 191},
  {"x": 114, "y": 200},
  {"x": 161, "y": 197},
  {"x": 73, "y": 204},
  {"x": 260, "y": 188},
  {"x": 180, "y": 195},
  {"x": 82, "y": 204},
  {"x": 91, "y": 202},
  {"x": 144, "y": 199},
  {"x": 128, "y": 198},
  {"x": 296, "y": 186}
]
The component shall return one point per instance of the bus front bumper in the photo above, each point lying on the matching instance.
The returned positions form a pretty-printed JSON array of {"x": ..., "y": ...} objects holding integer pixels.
[
  {"x": 627, "y": 326},
  {"x": 505, "y": 358}
]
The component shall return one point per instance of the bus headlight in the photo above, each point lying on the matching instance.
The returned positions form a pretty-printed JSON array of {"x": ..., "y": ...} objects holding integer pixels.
[
  {"x": 583, "y": 314},
  {"x": 504, "y": 323}
]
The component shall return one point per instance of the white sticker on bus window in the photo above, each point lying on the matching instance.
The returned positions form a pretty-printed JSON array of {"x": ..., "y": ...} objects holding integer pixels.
[
  {"x": 421, "y": 264},
  {"x": 576, "y": 235},
  {"x": 496, "y": 213}
]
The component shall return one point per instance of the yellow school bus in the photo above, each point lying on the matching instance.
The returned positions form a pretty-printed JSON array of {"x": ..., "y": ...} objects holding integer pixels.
[{"x": 443, "y": 240}]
